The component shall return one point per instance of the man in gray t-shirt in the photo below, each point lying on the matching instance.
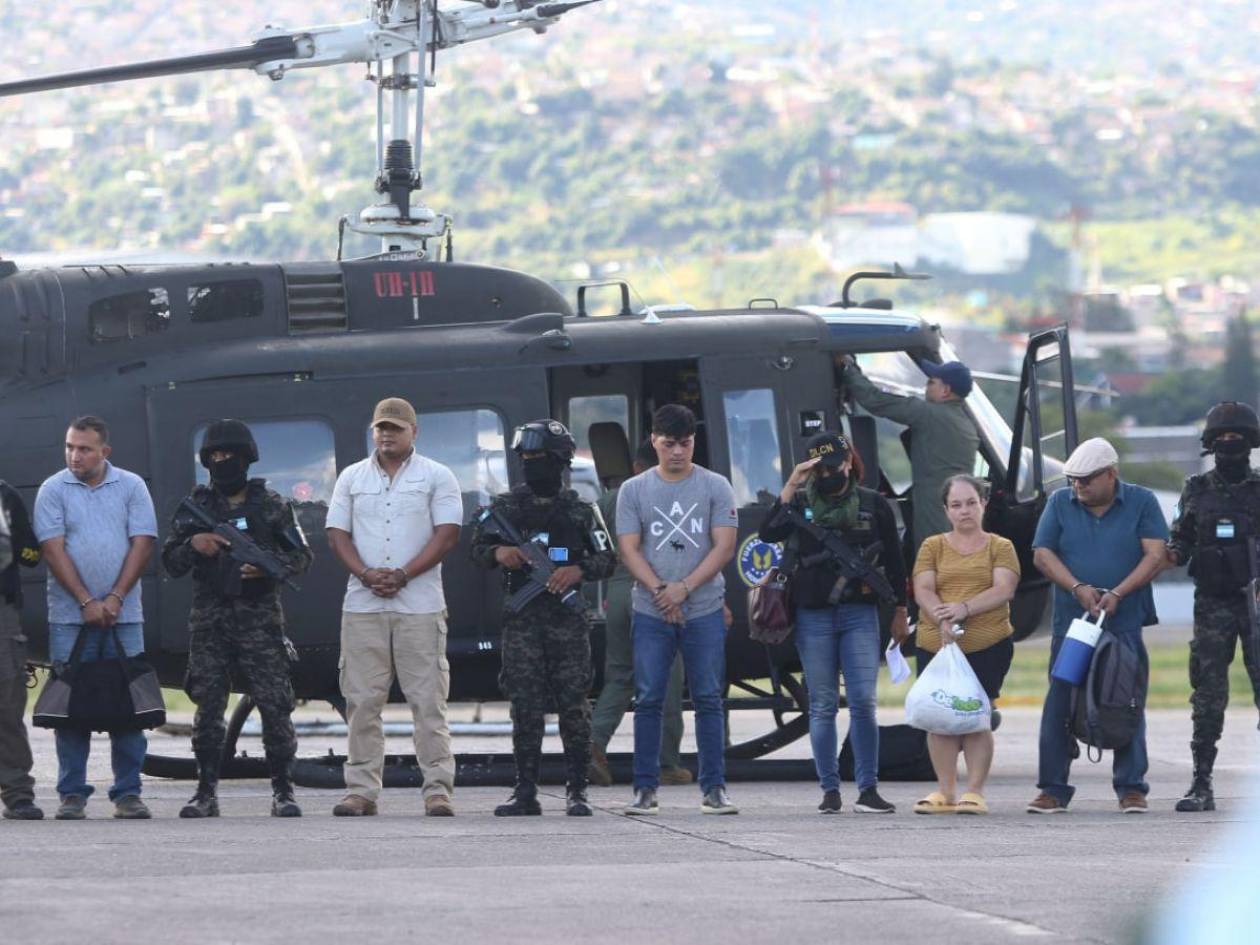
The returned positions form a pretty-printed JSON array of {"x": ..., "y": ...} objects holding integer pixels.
[{"x": 676, "y": 528}]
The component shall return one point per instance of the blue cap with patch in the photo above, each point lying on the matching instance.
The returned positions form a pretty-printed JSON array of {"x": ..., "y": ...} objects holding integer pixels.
[{"x": 954, "y": 373}]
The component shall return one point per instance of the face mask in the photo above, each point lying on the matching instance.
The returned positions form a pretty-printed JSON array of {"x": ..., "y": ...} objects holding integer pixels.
[
  {"x": 229, "y": 476},
  {"x": 833, "y": 484},
  {"x": 1233, "y": 459},
  {"x": 543, "y": 475}
]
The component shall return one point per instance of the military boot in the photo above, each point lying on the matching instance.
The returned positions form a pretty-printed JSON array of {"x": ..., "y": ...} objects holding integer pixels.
[
  {"x": 204, "y": 803},
  {"x": 282, "y": 802},
  {"x": 576, "y": 804},
  {"x": 524, "y": 799},
  {"x": 1200, "y": 798}
]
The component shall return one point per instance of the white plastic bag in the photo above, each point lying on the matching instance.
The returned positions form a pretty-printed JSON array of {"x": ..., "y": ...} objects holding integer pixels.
[{"x": 947, "y": 698}]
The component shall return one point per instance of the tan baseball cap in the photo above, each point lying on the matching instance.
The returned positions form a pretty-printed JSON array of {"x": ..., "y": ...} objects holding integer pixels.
[
  {"x": 394, "y": 410},
  {"x": 1091, "y": 456}
]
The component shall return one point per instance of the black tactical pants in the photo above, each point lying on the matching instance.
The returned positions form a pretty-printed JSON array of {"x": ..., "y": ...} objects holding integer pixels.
[{"x": 1219, "y": 625}]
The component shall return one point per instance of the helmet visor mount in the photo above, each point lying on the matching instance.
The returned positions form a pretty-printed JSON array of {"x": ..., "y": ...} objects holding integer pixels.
[{"x": 529, "y": 440}]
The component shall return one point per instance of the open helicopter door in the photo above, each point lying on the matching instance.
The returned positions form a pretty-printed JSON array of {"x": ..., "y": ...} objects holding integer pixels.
[{"x": 1043, "y": 435}]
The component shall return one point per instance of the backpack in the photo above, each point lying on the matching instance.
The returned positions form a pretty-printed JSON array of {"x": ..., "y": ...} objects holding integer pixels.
[{"x": 1107, "y": 710}]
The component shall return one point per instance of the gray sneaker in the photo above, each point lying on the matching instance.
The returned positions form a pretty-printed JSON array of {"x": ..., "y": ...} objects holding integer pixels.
[
  {"x": 644, "y": 803},
  {"x": 716, "y": 802},
  {"x": 131, "y": 808},
  {"x": 73, "y": 807}
]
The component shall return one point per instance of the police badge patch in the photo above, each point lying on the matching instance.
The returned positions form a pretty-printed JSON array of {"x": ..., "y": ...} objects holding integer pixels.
[{"x": 756, "y": 558}]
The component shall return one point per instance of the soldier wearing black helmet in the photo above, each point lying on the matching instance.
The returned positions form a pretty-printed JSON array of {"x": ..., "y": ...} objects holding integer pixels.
[
  {"x": 236, "y": 626},
  {"x": 546, "y": 646},
  {"x": 1218, "y": 517}
]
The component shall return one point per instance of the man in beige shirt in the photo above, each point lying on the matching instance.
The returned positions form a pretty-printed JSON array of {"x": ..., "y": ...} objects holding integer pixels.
[{"x": 392, "y": 519}]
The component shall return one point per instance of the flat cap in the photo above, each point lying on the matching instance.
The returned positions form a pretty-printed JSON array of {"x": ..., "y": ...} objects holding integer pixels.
[{"x": 1091, "y": 456}]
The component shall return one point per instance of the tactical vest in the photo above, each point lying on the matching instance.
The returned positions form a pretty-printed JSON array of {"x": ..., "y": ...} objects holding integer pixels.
[
  {"x": 815, "y": 583},
  {"x": 556, "y": 528},
  {"x": 249, "y": 517},
  {"x": 1224, "y": 521}
]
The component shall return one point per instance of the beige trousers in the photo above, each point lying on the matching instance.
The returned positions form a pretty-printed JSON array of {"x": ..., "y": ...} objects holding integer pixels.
[{"x": 376, "y": 649}]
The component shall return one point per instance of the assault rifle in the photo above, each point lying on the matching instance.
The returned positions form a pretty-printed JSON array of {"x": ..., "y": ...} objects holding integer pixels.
[
  {"x": 1252, "y": 590},
  {"x": 852, "y": 566},
  {"x": 540, "y": 566},
  {"x": 240, "y": 548}
]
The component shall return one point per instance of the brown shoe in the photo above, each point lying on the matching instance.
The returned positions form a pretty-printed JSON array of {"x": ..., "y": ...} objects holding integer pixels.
[
  {"x": 355, "y": 805},
  {"x": 597, "y": 772},
  {"x": 1045, "y": 803},
  {"x": 675, "y": 774},
  {"x": 438, "y": 805},
  {"x": 1133, "y": 803}
]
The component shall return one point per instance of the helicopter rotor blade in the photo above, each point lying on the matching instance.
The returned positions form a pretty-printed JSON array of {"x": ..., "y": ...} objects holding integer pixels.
[{"x": 267, "y": 49}]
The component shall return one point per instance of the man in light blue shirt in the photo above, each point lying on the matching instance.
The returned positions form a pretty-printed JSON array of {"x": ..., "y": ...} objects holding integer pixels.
[
  {"x": 1100, "y": 541},
  {"x": 96, "y": 528}
]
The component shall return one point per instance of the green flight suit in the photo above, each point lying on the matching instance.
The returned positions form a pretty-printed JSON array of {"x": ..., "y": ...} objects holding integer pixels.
[{"x": 943, "y": 443}]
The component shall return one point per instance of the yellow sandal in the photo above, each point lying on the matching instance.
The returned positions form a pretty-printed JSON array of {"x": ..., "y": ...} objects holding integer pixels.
[
  {"x": 972, "y": 803},
  {"x": 934, "y": 803}
]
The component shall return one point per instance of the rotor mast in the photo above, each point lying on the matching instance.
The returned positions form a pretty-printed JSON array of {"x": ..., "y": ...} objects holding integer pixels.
[{"x": 395, "y": 31}]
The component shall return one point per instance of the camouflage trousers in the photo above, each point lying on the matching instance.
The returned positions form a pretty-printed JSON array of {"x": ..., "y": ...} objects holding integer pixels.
[
  {"x": 546, "y": 663},
  {"x": 16, "y": 783},
  {"x": 230, "y": 644},
  {"x": 1219, "y": 625}
]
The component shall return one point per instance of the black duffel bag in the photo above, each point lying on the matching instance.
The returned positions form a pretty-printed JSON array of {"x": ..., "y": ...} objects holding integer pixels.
[{"x": 110, "y": 694}]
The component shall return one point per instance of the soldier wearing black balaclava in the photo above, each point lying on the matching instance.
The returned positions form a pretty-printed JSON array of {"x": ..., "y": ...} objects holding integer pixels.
[
  {"x": 1218, "y": 517},
  {"x": 236, "y": 626},
  {"x": 546, "y": 645}
]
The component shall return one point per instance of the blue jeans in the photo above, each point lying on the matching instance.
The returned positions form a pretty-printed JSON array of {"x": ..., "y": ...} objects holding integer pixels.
[
  {"x": 127, "y": 749},
  {"x": 831, "y": 640},
  {"x": 702, "y": 641},
  {"x": 1058, "y": 746}
]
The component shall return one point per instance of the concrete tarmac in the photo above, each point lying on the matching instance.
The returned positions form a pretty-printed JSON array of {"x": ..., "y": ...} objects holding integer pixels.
[{"x": 778, "y": 871}]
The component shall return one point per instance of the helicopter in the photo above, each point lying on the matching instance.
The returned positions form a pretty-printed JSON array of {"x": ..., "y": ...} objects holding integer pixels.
[{"x": 302, "y": 351}]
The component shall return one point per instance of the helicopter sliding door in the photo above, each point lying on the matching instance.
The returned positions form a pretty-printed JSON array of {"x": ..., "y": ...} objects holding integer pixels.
[
  {"x": 307, "y": 431},
  {"x": 1044, "y": 434},
  {"x": 297, "y": 425},
  {"x": 759, "y": 411}
]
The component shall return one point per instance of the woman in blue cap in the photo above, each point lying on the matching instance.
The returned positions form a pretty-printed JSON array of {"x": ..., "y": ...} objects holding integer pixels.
[{"x": 837, "y": 619}]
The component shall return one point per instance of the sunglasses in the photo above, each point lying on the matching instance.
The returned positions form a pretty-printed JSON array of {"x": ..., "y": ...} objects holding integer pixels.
[{"x": 1085, "y": 480}]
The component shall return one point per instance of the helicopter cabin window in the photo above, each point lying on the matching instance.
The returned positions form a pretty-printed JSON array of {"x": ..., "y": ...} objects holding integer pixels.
[
  {"x": 753, "y": 435},
  {"x": 471, "y": 444},
  {"x": 225, "y": 301},
  {"x": 130, "y": 315},
  {"x": 296, "y": 457}
]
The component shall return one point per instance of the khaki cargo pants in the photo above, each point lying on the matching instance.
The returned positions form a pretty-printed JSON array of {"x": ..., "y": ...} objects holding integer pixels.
[{"x": 376, "y": 649}]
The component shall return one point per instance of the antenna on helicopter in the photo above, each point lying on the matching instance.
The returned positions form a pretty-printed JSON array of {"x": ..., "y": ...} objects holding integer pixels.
[{"x": 394, "y": 31}]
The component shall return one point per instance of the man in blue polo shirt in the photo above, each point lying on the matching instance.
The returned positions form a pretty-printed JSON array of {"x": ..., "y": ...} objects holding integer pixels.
[
  {"x": 1100, "y": 541},
  {"x": 96, "y": 529}
]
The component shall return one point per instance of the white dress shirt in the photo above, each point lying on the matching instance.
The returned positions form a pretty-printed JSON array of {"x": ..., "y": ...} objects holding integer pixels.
[{"x": 390, "y": 523}]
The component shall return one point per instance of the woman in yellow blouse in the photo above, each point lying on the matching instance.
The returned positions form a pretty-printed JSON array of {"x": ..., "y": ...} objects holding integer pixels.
[{"x": 965, "y": 576}]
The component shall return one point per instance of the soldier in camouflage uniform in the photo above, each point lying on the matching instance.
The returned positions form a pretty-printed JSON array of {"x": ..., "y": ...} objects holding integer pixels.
[
  {"x": 1217, "y": 516},
  {"x": 547, "y": 645},
  {"x": 236, "y": 626},
  {"x": 17, "y": 546}
]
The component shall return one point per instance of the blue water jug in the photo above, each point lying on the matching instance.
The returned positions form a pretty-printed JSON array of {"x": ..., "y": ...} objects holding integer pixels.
[{"x": 1077, "y": 651}]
